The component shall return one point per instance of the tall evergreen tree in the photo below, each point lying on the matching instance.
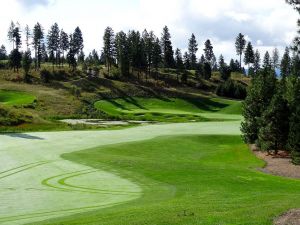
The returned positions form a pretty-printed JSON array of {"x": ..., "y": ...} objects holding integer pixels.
[
  {"x": 27, "y": 37},
  {"x": 256, "y": 64},
  {"x": 11, "y": 32},
  {"x": 258, "y": 99},
  {"x": 167, "y": 49},
  {"x": 221, "y": 61},
  {"x": 109, "y": 48},
  {"x": 122, "y": 50},
  {"x": 240, "y": 44},
  {"x": 26, "y": 64},
  {"x": 3, "y": 53},
  {"x": 193, "y": 48},
  {"x": 249, "y": 57},
  {"x": 179, "y": 63},
  {"x": 267, "y": 63},
  {"x": 77, "y": 41},
  {"x": 274, "y": 130},
  {"x": 208, "y": 52},
  {"x": 156, "y": 55},
  {"x": 275, "y": 59},
  {"x": 285, "y": 65},
  {"x": 38, "y": 40},
  {"x": 63, "y": 44},
  {"x": 53, "y": 43},
  {"x": 186, "y": 61},
  {"x": 294, "y": 103}
]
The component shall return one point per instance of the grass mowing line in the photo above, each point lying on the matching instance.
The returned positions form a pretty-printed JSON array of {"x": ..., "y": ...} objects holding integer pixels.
[
  {"x": 69, "y": 187},
  {"x": 63, "y": 182},
  {"x": 51, "y": 213},
  {"x": 47, "y": 183},
  {"x": 23, "y": 168}
]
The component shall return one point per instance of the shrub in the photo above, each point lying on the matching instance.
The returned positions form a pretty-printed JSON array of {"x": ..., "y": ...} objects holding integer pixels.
[
  {"x": 13, "y": 117},
  {"x": 45, "y": 75},
  {"x": 232, "y": 89}
]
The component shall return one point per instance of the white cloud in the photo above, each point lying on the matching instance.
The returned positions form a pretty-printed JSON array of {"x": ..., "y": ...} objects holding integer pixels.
[{"x": 267, "y": 23}]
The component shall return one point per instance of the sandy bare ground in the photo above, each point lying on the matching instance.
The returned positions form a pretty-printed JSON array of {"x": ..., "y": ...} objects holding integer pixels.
[{"x": 281, "y": 166}]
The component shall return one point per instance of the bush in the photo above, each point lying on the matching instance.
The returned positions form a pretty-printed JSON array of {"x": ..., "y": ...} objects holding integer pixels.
[
  {"x": 13, "y": 117},
  {"x": 45, "y": 75},
  {"x": 232, "y": 89},
  {"x": 225, "y": 72}
]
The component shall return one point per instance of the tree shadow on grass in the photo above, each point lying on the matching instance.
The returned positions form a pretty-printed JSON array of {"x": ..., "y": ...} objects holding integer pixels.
[{"x": 24, "y": 136}]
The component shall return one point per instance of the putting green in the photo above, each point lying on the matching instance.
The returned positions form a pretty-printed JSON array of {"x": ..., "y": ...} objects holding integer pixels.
[
  {"x": 15, "y": 98},
  {"x": 37, "y": 184}
]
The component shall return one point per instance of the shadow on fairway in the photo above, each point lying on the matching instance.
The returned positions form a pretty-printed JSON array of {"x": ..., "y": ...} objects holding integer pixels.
[{"x": 24, "y": 136}]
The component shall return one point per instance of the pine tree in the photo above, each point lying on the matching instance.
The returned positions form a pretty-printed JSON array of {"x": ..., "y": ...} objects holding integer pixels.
[
  {"x": 256, "y": 64},
  {"x": 53, "y": 43},
  {"x": 122, "y": 50},
  {"x": 267, "y": 64},
  {"x": 208, "y": 52},
  {"x": 193, "y": 48},
  {"x": 77, "y": 41},
  {"x": 63, "y": 44},
  {"x": 259, "y": 95},
  {"x": 285, "y": 65},
  {"x": 27, "y": 37},
  {"x": 3, "y": 53},
  {"x": 156, "y": 55},
  {"x": 11, "y": 32},
  {"x": 179, "y": 63},
  {"x": 38, "y": 37},
  {"x": 26, "y": 64},
  {"x": 274, "y": 130},
  {"x": 221, "y": 61},
  {"x": 240, "y": 44},
  {"x": 109, "y": 48},
  {"x": 275, "y": 59},
  {"x": 167, "y": 49},
  {"x": 207, "y": 70},
  {"x": 186, "y": 61},
  {"x": 249, "y": 57},
  {"x": 17, "y": 38}
]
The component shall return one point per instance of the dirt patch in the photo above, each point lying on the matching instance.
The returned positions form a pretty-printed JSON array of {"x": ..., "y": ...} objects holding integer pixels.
[
  {"x": 278, "y": 165},
  {"x": 281, "y": 166},
  {"x": 291, "y": 217}
]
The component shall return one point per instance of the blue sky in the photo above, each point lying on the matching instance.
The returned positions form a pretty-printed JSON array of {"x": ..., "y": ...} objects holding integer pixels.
[{"x": 266, "y": 23}]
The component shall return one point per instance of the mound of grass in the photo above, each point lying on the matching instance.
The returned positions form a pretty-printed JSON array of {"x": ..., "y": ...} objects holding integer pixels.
[
  {"x": 179, "y": 110},
  {"x": 16, "y": 98},
  {"x": 189, "y": 180},
  {"x": 13, "y": 117}
]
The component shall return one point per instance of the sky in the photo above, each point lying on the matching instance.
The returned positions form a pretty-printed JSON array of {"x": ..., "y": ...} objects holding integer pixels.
[{"x": 266, "y": 23}]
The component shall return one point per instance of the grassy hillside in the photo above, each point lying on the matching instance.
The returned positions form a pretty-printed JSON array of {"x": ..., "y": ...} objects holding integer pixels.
[
  {"x": 204, "y": 179},
  {"x": 73, "y": 95},
  {"x": 169, "y": 109}
]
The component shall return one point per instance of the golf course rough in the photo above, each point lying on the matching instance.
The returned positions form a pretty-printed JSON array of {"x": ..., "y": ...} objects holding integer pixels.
[{"x": 37, "y": 184}]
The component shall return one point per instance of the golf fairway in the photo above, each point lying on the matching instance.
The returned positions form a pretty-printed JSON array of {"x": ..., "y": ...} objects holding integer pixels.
[{"x": 37, "y": 184}]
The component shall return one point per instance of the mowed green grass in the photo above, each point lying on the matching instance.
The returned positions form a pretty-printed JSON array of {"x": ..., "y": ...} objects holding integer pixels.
[
  {"x": 190, "y": 179},
  {"x": 171, "y": 109},
  {"x": 15, "y": 98}
]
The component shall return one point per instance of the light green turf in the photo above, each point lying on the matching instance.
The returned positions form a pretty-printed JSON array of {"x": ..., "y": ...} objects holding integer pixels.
[
  {"x": 189, "y": 179},
  {"x": 36, "y": 183},
  {"x": 155, "y": 108},
  {"x": 15, "y": 98}
]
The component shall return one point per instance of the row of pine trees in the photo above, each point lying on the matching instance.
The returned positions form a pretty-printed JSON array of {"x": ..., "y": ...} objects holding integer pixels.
[
  {"x": 142, "y": 52},
  {"x": 272, "y": 107}
]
